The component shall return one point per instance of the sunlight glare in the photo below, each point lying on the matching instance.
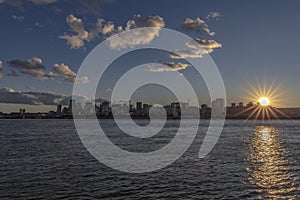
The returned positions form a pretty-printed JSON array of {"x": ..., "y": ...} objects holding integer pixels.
[{"x": 264, "y": 101}]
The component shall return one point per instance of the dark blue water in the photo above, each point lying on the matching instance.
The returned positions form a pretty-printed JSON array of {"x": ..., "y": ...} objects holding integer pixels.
[{"x": 44, "y": 159}]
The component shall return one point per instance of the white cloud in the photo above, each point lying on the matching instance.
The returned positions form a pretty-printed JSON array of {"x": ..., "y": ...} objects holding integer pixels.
[
  {"x": 82, "y": 79},
  {"x": 108, "y": 29},
  {"x": 197, "y": 25},
  {"x": 94, "y": 32},
  {"x": 69, "y": 75},
  {"x": 196, "y": 49},
  {"x": 108, "y": 90},
  {"x": 206, "y": 44},
  {"x": 171, "y": 67},
  {"x": 137, "y": 36},
  {"x": 7, "y": 89},
  {"x": 213, "y": 15},
  {"x": 65, "y": 71},
  {"x": 76, "y": 25},
  {"x": 82, "y": 35}
]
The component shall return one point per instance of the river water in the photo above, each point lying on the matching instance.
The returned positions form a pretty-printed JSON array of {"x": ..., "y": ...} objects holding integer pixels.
[{"x": 45, "y": 159}]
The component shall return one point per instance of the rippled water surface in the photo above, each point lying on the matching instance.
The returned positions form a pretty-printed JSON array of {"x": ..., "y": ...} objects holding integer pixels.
[{"x": 44, "y": 159}]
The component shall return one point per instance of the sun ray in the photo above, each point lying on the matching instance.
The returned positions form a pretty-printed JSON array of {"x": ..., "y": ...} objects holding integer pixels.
[
  {"x": 258, "y": 114},
  {"x": 264, "y": 99},
  {"x": 253, "y": 113}
]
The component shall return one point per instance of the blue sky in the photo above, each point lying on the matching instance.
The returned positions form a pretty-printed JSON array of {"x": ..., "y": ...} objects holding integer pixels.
[{"x": 259, "y": 41}]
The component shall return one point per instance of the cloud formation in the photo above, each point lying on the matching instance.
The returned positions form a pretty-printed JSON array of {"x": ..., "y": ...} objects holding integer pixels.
[
  {"x": 33, "y": 67},
  {"x": 213, "y": 15},
  {"x": 171, "y": 67},
  {"x": 76, "y": 25},
  {"x": 196, "y": 49},
  {"x": 197, "y": 25},
  {"x": 82, "y": 35},
  {"x": 68, "y": 75},
  {"x": 137, "y": 36},
  {"x": 9, "y": 95}
]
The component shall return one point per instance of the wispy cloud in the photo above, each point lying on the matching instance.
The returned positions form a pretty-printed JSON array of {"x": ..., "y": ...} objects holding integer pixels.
[
  {"x": 213, "y": 15},
  {"x": 168, "y": 67},
  {"x": 18, "y": 18},
  {"x": 68, "y": 75},
  {"x": 196, "y": 49},
  {"x": 197, "y": 25},
  {"x": 108, "y": 90},
  {"x": 9, "y": 95}
]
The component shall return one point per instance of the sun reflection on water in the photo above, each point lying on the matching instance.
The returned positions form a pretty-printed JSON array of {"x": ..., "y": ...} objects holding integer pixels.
[{"x": 270, "y": 173}]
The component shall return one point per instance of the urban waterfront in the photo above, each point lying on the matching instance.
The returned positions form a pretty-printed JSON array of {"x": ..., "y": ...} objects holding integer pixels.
[
  {"x": 173, "y": 110},
  {"x": 45, "y": 159}
]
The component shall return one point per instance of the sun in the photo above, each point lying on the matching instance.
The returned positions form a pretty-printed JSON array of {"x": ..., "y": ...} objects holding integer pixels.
[{"x": 264, "y": 101}]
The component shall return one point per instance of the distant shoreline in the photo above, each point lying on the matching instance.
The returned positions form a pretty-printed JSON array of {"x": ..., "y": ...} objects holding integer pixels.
[{"x": 146, "y": 118}]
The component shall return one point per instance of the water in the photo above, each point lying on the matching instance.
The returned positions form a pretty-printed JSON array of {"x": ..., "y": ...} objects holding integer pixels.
[{"x": 44, "y": 159}]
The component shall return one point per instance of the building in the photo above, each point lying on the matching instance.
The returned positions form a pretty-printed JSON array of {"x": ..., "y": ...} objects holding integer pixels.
[
  {"x": 205, "y": 112},
  {"x": 138, "y": 106},
  {"x": 58, "y": 109},
  {"x": 218, "y": 106},
  {"x": 88, "y": 109},
  {"x": 105, "y": 109}
]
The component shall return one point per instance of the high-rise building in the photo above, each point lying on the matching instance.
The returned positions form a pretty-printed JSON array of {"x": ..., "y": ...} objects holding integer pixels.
[
  {"x": 88, "y": 109},
  {"x": 58, "y": 109},
  {"x": 218, "y": 106},
  {"x": 104, "y": 107},
  {"x": 139, "y": 106},
  {"x": 145, "y": 106},
  {"x": 71, "y": 103}
]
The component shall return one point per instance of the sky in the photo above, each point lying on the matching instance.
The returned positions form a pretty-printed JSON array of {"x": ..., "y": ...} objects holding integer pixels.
[{"x": 44, "y": 42}]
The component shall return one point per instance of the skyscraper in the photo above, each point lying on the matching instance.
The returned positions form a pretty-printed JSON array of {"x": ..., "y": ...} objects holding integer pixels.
[{"x": 218, "y": 106}]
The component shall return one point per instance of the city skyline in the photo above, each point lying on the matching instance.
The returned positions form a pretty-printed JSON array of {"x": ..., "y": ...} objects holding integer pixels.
[
  {"x": 53, "y": 38},
  {"x": 261, "y": 110}
]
